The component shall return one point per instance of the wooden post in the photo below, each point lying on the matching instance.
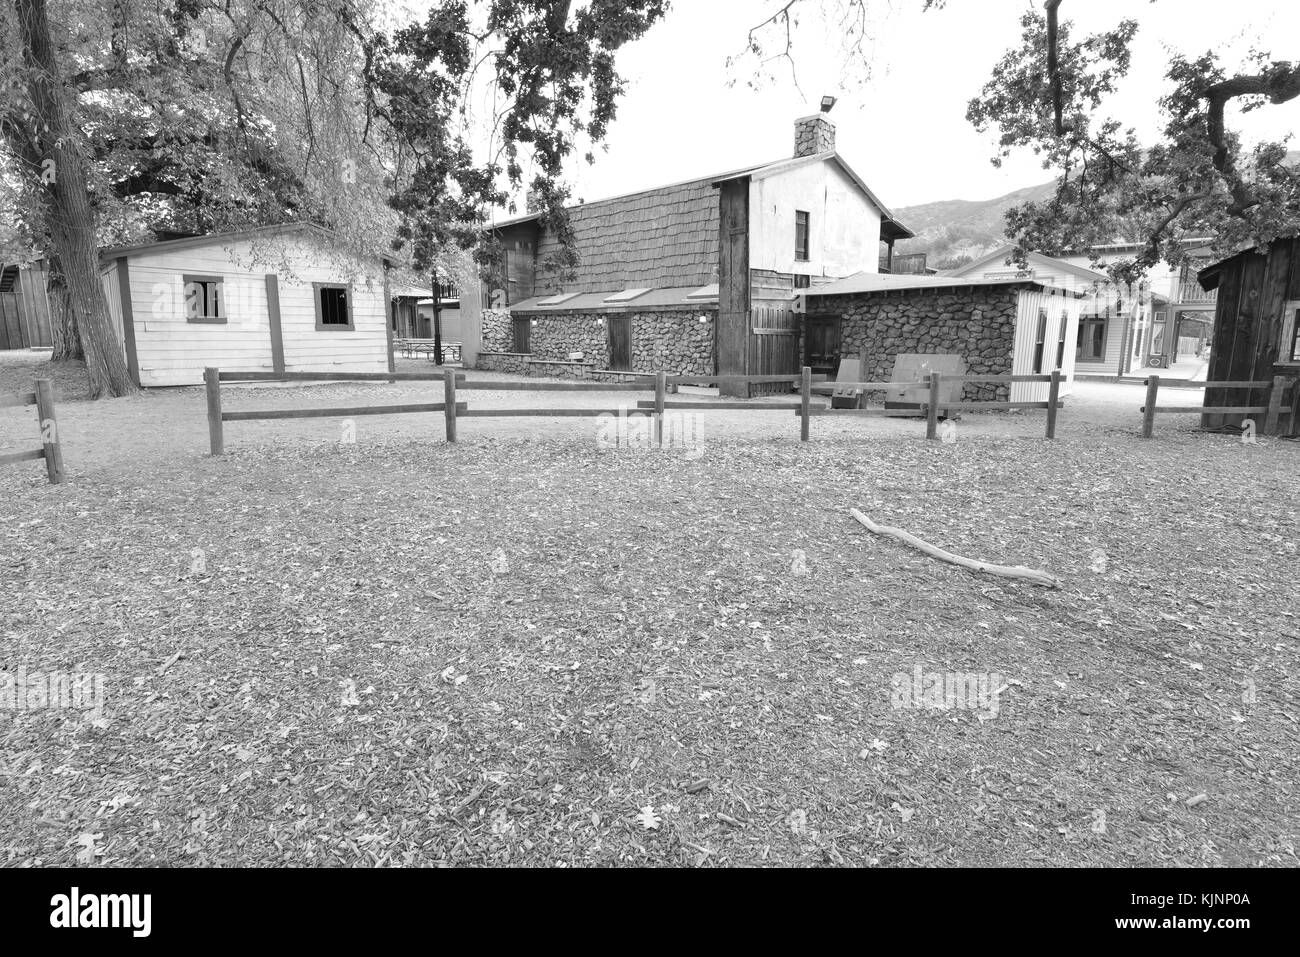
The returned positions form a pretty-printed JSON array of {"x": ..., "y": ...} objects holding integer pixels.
[
  {"x": 805, "y": 403},
  {"x": 1149, "y": 410},
  {"x": 661, "y": 390},
  {"x": 1053, "y": 396},
  {"x": 212, "y": 380},
  {"x": 1274, "y": 414},
  {"x": 932, "y": 412},
  {"x": 49, "y": 431},
  {"x": 449, "y": 397}
]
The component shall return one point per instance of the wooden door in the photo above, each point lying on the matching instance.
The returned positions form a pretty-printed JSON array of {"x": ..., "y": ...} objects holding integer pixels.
[
  {"x": 523, "y": 331},
  {"x": 620, "y": 344},
  {"x": 822, "y": 344}
]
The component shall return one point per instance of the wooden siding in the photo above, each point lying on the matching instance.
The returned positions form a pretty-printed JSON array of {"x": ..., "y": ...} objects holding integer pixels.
[
  {"x": 660, "y": 238},
  {"x": 1249, "y": 318},
  {"x": 1059, "y": 309},
  {"x": 25, "y": 309},
  {"x": 172, "y": 351}
]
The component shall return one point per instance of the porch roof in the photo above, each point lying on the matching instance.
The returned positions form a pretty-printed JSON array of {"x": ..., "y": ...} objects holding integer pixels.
[
  {"x": 679, "y": 297},
  {"x": 872, "y": 282}
]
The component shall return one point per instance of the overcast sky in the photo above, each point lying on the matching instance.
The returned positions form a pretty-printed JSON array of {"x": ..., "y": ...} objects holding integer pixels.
[{"x": 904, "y": 130}]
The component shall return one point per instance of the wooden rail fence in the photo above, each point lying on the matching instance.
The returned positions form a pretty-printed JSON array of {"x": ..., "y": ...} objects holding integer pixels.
[
  {"x": 1272, "y": 411},
  {"x": 50, "y": 450},
  {"x": 454, "y": 410}
]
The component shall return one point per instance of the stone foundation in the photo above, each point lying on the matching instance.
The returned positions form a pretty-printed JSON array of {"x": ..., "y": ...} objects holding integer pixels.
[{"x": 515, "y": 363}]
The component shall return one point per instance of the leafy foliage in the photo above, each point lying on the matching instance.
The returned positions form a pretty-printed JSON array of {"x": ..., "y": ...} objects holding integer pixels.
[{"x": 1049, "y": 95}]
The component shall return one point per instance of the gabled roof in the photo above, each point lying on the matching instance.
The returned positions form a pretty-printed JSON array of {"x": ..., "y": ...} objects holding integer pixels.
[
  {"x": 999, "y": 256},
  {"x": 890, "y": 228},
  {"x": 111, "y": 253},
  {"x": 868, "y": 282}
]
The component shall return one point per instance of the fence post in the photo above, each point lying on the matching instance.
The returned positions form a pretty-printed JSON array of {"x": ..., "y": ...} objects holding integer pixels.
[
  {"x": 1149, "y": 410},
  {"x": 49, "y": 431},
  {"x": 1274, "y": 414},
  {"x": 661, "y": 389},
  {"x": 932, "y": 412},
  {"x": 449, "y": 400},
  {"x": 1053, "y": 396},
  {"x": 216, "y": 441},
  {"x": 805, "y": 402}
]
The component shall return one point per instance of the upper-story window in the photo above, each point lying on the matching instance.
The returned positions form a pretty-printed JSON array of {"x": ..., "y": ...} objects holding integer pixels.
[
  {"x": 801, "y": 236},
  {"x": 802, "y": 282}
]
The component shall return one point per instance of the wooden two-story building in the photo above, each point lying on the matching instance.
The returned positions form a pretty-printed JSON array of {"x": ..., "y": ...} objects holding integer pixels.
[{"x": 698, "y": 276}]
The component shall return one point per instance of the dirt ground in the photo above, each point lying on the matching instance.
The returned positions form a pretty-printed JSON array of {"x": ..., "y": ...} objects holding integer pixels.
[{"x": 531, "y": 649}]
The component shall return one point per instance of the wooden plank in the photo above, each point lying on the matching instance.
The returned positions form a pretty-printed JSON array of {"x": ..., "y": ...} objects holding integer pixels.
[
  {"x": 1225, "y": 318},
  {"x": 17, "y": 401},
  {"x": 344, "y": 413},
  {"x": 128, "y": 319},
  {"x": 8, "y": 458},
  {"x": 868, "y": 413},
  {"x": 994, "y": 406},
  {"x": 1192, "y": 384},
  {"x": 727, "y": 406},
  {"x": 273, "y": 317},
  {"x": 998, "y": 378},
  {"x": 1274, "y": 415},
  {"x": 538, "y": 413},
  {"x": 212, "y": 385},
  {"x": 449, "y": 403},
  {"x": 732, "y": 334},
  {"x": 51, "y": 450},
  {"x": 932, "y": 410},
  {"x": 333, "y": 376},
  {"x": 482, "y": 386},
  {"x": 1053, "y": 403},
  {"x": 866, "y": 386},
  {"x": 731, "y": 379},
  {"x": 1212, "y": 409},
  {"x": 661, "y": 390},
  {"x": 1149, "y": 410},
  {"x": 805, "y": 404}
]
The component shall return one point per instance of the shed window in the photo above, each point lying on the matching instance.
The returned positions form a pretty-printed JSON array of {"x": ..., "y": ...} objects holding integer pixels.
[
  {"x": 1060, "y": 344},
  {"x": 333, "y": 310},
  {"x": 1295, "y": 335},
  {"x": 1040, "y": 341},
  {"x": 204, "y": 301},
  {"x": 801, "y": 236},
  {"x": 802, "y": 282}
]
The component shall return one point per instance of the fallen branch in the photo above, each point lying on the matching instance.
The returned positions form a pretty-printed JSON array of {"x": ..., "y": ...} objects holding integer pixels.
[{"x": 1004, "y": 571}]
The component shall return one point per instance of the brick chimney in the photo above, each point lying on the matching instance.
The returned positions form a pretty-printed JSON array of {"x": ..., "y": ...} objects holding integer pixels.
[{"x": 813, "y": 134}]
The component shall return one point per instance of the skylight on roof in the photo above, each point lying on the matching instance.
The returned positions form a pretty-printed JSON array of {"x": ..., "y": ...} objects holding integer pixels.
[
  {"x": 557, "y": 300},
  {"x": 627, "y": 295},
  {"x": 704, "y": 292}
]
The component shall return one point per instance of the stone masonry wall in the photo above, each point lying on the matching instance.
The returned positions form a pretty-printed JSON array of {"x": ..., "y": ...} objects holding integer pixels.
[
  {"x": 978, "y": 324},
  {"x": 672, "y": 341},
  {"x": 498, "y": 334}
]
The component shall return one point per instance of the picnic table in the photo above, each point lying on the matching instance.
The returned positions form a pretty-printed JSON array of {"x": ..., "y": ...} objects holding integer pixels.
[{"x": 411, "y": 348}]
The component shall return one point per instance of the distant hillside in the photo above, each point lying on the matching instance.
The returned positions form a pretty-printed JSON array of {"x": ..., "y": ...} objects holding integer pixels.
[{"x": 955, "y": 231}]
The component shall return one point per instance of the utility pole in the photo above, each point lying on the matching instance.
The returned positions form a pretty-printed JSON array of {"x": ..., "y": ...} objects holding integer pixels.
[{"x": 437, "y": 320}]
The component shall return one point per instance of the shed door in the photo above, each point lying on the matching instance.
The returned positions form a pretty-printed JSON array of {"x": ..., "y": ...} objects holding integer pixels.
[
  {"x": 822, "y": 344},
  {"x": 620, "y": 343},
  {"x": 523, "y": 329}
]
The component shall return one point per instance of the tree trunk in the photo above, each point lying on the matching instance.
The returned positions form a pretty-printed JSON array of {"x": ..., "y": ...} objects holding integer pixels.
[
  {"x": 67, "y": 207},
  {"x": 67, "y": 343}
]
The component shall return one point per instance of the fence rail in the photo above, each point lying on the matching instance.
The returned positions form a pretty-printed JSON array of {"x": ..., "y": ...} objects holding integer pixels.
[
  {"x": 1272, "y": 410},
  {"x": 51, "y": 451},
  {"x": 454, "y": 410}
]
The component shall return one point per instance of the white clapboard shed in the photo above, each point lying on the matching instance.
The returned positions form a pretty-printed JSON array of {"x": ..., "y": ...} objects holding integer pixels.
[{"x": 273, "y": 299}]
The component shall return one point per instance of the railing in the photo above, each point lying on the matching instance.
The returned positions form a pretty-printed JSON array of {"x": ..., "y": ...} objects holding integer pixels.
[
  {"x": 1272, "y": 410},
  {"x": 453, "y": 410},
  {"x": 1192, "y": 292},
  {"x": 50, "y": 450}
]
